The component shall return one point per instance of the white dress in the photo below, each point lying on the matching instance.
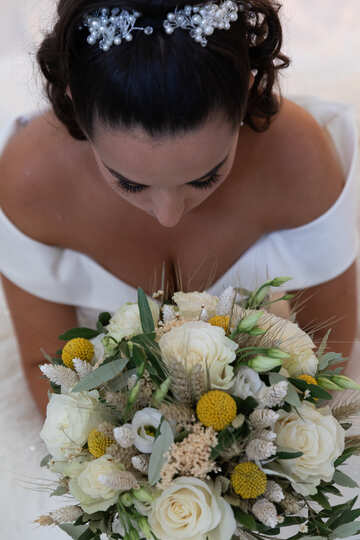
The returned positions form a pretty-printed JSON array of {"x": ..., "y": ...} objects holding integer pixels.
[{"x": 313, "y": 253}]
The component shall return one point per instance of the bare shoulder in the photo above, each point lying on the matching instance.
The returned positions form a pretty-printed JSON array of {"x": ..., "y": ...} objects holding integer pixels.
[
  {"x": 308, "y": 172},
  {"x": 35, "y": 170}
]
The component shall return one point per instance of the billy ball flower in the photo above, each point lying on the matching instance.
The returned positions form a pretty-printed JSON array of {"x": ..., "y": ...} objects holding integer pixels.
[
  {"x": 77, "y": 348},
  {"x": 308, "y": 378},
  {"x": 216, "y": 409},
  {"x": 248, "y": 480},
  {"x": 98, "y": 443},
  {"x": 220, "y": 320}
]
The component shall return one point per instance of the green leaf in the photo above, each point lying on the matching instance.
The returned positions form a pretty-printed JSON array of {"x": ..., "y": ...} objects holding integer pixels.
[
  {"x": 343, "y": 479},
  {"x": 313, "y": 537},
  {"x": 161, "y": 445},
  {"x": 87, "y": 333},
  {"x": 274, "y": 378},
  {"x": 74, "y": 532},
  {"x": 292, "y": 397},
  {"x": 346, "y": 530},
  {"x": 318, "y": 392},
  {"x": 147, "y": 321},
  {"x": 45, "y": 460},
  {"x": 87, "y": 535},
  {"x": 283, "y": 454},
  {"x": 292, "y": 520},
  {"x": 60, "y": 490},
  {"x": 245, "y": 406},
  {"x": 345, "y": 455},
  {"x": 348, "y": 516},
  {"x": 101, "y": 375},
  {"x": 321, "y": 499},
  {"x": 246, "y": 520}
]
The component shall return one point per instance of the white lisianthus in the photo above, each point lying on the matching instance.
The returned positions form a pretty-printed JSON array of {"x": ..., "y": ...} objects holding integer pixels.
[
  {"x": 190, "y": 304},
  {"x": 99, "y": 351},
  {"x": 320, "y": 437},
  {"x": 198, "y": 342},
  {"x": 144, "y": 425},
  {"x": 87, "y": 488},
  {"x": 126, "y": 321},
  {"x": 285, "y": 335},
  {"x": 247, "y": 383},
  {"x": 191, "y": 510},
  {"x": 69, "y": 420}
]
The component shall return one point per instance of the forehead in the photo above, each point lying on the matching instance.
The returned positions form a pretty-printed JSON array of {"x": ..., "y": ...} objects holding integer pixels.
[{"x": 137, "y": 155}]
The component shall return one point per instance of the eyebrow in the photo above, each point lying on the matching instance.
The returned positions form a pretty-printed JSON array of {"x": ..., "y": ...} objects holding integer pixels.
[{"x": 122, "y": 177}]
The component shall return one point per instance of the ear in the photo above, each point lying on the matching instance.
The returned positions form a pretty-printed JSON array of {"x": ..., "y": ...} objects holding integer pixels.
[{"x": 68, "y": 93}]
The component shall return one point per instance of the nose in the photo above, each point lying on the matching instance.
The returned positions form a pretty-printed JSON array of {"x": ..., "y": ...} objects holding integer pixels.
[{"x": 168, "y": 207}]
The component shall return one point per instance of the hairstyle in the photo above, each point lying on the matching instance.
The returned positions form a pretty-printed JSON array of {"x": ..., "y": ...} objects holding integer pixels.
[{"x": 165, "y": 84}]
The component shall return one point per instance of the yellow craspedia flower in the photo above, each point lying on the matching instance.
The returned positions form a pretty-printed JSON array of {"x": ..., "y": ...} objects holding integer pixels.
[
  {"x": 248, "y": 480},
  {"x": 77, "y": 348},
  {"x": 308, "y": 378},
  {"x": 216, "y": 409},
  {"x": 98, "y": 442},
  {"x": 220, "y": 320}
]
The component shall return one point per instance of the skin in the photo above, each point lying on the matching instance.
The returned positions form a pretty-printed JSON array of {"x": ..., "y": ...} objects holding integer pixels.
[{"x": 261, "y": 188}]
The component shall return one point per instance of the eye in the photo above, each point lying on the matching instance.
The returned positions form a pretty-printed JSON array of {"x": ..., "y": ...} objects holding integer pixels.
[
  {"x": 207, "y": 183},
  {"x": 132, "y": 188}
]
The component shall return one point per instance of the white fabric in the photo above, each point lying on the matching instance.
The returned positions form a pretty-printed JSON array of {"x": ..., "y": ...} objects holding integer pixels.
[
  {"x": 313, "y": 253},
  {"x": 70, "y": 277}
]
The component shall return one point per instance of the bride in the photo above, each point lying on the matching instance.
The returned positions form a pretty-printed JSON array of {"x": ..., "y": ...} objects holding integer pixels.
[{"x": 173, "y": 149}]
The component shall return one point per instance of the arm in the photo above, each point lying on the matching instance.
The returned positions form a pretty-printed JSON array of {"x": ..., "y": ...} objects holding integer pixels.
[
  {"x": 330, "y": 305},
  {"x": 37, "y": 324}
]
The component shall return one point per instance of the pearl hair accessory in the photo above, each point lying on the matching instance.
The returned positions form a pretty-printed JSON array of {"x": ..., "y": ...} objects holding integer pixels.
[
  {"x": 202, "y": 20},
  {"x": 112, "y": 28}
]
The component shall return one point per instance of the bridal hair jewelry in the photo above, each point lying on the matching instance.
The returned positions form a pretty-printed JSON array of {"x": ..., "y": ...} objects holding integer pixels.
[
  {"x": 112, "y": 28},
  {"x": 201, "y": 21}
]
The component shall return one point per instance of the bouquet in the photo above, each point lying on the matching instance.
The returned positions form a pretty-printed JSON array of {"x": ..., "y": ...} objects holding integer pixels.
[{"x": 208, "y": 418}]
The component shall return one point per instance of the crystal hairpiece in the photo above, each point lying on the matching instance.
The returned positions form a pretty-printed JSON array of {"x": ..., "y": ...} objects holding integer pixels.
[
  {"x": 111, "y": 28},
  {"x": 203, "y": 20}
]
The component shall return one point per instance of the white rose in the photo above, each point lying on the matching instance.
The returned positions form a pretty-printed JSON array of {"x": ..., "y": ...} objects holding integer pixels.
[
  {"x": 190, "y": 304},
  {"x": 126, "y": 321},
  {"x": 190, "y": 510},
  {"x": 320, "y": 437},
  {"x": 198, "y": 342},
  {"x": 92, "y": 494},
  {"x": 69, "y": 420},
  {"x": 247, "y": 383},
  {"x": 285, "y": 335}
]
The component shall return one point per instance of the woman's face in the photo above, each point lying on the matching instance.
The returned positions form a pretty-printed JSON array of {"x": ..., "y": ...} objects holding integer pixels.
[{"x": 166, "y": 177}]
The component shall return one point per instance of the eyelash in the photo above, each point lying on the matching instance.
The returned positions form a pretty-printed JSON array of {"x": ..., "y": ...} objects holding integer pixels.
[{"x": 198, "y": 185}]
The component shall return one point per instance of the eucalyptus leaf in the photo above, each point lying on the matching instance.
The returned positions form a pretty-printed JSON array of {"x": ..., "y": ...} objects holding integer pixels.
[
  {"x": 45, "y": 460},
  {"x": 161, "y": 445},
  {"x": 343, "y": 479},
  {"x": 314, "y": 538},
  {"x": 274, "y": 378},
  {"x": 147, "y": 321},
  {"x": 87, "y": 333},
  {"x": 101, "y": 375},
  {"x": 74, "y": 531},
  {"x": 120, "y": 382},
  {"x": 60, "y": 490},
  {"x": 346, "y": 530},
  {"x": 292, "y": 397}
]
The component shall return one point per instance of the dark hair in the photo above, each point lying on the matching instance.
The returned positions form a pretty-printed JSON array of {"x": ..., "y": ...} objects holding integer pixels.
[{"x": 164, "y": 83}]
